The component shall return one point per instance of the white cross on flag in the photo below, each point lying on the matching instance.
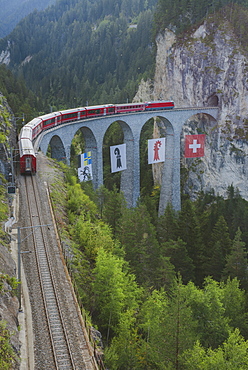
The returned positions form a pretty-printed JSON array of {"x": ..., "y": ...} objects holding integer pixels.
[
  {"x": 194, "y": 146},
  {"x": 156, "y": 150},
  {"x": 118, "y": 158}
]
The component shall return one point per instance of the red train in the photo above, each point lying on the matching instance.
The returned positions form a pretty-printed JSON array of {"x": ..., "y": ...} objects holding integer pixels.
[{"x": 32, "y": 129}]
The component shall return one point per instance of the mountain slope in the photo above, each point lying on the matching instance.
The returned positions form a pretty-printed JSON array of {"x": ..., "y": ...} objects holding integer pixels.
[
  {"x": 13, "y": 11},
  {"x": 77, "y": 52}
]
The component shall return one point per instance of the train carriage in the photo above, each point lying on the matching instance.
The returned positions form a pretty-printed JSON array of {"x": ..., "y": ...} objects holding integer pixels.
[
  {"x": 160, "y": 104},
  {"x": 73, "y": 114},
  {"x": 36, "y": 126},
  {"x": 51, "y": 119},
  {"x": 129, "y": 108},
  {"x": 100, "y": 110},
  {"x": 26, "y": 151}
]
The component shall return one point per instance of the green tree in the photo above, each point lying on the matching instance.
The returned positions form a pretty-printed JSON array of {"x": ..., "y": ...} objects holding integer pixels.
[
  {"x": 233, "y": 354},
  {"x": 234, "y": 301},
  {"x": 167, "y": 225},
  {"x": 137, "y": 236},
  {"x": 7, "y": 354},
  {"x": 167, "y": 326},
  {"x": 112, "y": 204},
  {"x": 179, "y": 257},
  {"x": 124, "y": 352},
  {"x": 207, "y": 306},
  {"x": 236, "y": 262},
  {"x": 190, "y": 233},
  {"x": 115, "y": 291}
]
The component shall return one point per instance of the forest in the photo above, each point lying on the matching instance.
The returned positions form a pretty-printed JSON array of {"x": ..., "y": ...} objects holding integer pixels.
[
  {"x": 81, "y": 53},
  {"x": 167, "y": 292},
  {"x": 13, "y": 11}
]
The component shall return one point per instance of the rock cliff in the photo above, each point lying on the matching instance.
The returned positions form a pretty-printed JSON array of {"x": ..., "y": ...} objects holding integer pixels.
[{"x": 207, "y": 67}]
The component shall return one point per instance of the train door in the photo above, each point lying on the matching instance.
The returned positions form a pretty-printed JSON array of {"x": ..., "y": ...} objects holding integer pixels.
[
  {"x": 104, "y": 111},
  {"x": 28, "y": 164},
  {"x": 78, "y": 115}
]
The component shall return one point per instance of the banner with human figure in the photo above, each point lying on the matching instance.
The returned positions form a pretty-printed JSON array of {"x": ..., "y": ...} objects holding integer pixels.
[
  {"x": 194, "y": 146},
  {"x": 156, "y": 150},
  {"x": 118, "y": 158},
  {"x": 85, "y": 167}
]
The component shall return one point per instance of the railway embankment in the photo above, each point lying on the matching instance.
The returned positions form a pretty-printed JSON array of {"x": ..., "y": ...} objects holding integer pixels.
[{"x": 25, "y": 316}]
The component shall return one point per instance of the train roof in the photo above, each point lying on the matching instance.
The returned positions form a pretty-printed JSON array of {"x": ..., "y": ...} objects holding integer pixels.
[
  {"x": 26, "y": 132},
  {"x": 73, "y": 110},
  {"x": 26, "y": 147},
  {"x": 129, "y": 104},
  {"x": 100, "y": 106},
  {"x": 35, "y": 122},
  {"x": 50, "y": 115},
  {"x": 159, "y": 101}
]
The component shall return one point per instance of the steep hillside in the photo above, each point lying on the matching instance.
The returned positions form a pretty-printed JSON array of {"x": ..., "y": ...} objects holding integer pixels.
[
  {"x": 205, "y": 67},
  {"x": 13, "y": 11},
  {"x": 82, "y": 52}
]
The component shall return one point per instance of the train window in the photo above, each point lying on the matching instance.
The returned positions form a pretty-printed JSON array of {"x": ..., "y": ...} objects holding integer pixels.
[
  {"x": 49, "y": 121},
  {"x": 111, "y": 109},
  {"x": 70, "y": 115},
  {"x": 95, "y": 111}
]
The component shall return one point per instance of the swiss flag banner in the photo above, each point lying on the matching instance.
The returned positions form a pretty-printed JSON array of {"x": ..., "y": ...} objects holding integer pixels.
[{"x": 194, "y": 146}]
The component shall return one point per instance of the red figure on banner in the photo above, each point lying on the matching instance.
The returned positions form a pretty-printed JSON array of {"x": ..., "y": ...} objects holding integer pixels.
[
  {"x": 157, "y": 145},
  {"x": 194, "y": 145}
]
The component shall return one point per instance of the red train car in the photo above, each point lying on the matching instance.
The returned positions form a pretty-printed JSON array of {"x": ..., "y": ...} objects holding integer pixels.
[
  {"x": 129, "y": 108},
  {"x": 26, "y": 151},
  {"x": 51, "y": 119},
  {"x": 100, "y": 110},
  {"x": 160, "y": 104},
  {"x": 73, "y": 114}
]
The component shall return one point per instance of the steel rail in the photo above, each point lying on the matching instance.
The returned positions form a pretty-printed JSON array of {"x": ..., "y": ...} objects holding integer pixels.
[{"x": 62, "y": 353}]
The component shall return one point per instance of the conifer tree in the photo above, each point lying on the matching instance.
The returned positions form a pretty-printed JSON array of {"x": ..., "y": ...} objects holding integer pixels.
[{"x": 236, "y": 262}]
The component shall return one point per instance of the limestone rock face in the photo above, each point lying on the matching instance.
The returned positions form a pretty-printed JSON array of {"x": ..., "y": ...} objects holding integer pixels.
[{"x": 207, "y": 68}]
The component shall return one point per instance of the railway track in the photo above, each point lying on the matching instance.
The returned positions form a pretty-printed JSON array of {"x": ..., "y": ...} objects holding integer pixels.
[
  {"x": 63, "y": 357},
  {"x": 69, "y": 349}
]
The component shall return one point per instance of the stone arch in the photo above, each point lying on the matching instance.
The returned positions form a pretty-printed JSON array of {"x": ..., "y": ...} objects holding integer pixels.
[
  {"x": 200, "y": 123},
  {"x": 57, "y": 148},
  {"x": 164, "y": 128},
  {"x": 91, "y": 146},
  {"x": 127, "y": 178}
]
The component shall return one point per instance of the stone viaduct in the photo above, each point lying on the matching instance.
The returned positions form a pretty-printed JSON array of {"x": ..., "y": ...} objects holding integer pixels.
[{"x": 94, "y": 129}]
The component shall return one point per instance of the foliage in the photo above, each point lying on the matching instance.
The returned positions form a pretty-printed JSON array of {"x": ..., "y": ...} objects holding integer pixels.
[
  {"x": 23, "y": 103},
  {"x": 181, "y": 15},
  {"x": 13, "y": 11},
  {"x": 236, "y": 261},
  {"x": 233, "y": 354},
  {"x": 127, "y": 279},
  {"x": 137, "y": 236},
  {"x": 7, "y": 354},
  {"x": 10, "y": 280},
  {"x": 115, "y": 290},
  {"x": 84, "y": 52}
]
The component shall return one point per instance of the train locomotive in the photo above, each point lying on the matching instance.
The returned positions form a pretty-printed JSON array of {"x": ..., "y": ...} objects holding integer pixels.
[{"x": 32, "y": 129}]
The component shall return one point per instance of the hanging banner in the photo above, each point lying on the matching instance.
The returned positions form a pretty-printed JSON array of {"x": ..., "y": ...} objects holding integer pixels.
[
  {"x": 156, "y": 150},
  {"x": 118, "y": 158},
  {"x": 85, "y": 167},
  {"x": 194, "y": 146}
]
